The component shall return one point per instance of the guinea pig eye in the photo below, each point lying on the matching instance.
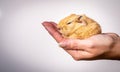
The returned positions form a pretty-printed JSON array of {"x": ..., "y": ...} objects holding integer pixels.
[{"x": 69, "y": 23}]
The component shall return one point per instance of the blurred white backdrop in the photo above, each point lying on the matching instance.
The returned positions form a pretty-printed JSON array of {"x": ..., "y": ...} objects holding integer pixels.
[{"x": 25, "y": 46}]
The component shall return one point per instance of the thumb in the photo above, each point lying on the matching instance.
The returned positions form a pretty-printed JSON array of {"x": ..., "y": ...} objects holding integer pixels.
[
  {"x": 67, "y": 44},
  {"x": 63, "y": 44},
  {"x": 75, "y": 44}
]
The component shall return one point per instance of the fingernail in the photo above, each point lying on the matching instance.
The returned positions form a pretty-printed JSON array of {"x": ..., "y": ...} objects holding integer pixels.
[{"x": 62, "y": 44}]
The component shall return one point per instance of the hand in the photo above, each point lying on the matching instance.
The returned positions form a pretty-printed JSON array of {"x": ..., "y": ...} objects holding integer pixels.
[{"x": 101, "y": 46}]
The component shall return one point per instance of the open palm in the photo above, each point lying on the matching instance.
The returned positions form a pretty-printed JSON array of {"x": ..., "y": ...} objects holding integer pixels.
[{"x": 96, "y": 47}]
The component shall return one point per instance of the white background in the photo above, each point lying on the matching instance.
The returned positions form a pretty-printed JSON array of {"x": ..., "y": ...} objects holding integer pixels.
[{"x": 25, "y": 46}]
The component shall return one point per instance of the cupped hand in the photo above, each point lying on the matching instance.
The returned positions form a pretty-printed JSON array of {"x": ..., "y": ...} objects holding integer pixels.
[{"x": 96, "y": 47}]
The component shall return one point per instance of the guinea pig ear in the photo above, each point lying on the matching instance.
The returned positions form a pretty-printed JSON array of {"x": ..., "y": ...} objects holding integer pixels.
[
  {"x": 79, "y": 17},
  {"x": 84, "y": 22}
]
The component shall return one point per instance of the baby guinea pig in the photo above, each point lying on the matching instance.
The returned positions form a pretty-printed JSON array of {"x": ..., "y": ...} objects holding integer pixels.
[{"x": 78, "y": 26}]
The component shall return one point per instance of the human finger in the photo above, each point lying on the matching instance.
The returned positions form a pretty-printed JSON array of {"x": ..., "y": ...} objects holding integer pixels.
[
  {"x": 52, "y": 29},
  {"x": 80, "y": 55},
  {"x": 76, "y": 44}
]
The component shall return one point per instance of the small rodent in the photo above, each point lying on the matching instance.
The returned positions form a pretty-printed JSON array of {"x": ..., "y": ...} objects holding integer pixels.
[{"x": 78, "y": 26}]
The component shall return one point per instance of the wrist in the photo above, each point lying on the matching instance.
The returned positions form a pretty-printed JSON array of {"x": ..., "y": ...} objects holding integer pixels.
[{"x": 114, "y": 52}]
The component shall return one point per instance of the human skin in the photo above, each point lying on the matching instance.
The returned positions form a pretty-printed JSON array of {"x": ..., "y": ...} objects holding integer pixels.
[{"x": 101, "y": 46}]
